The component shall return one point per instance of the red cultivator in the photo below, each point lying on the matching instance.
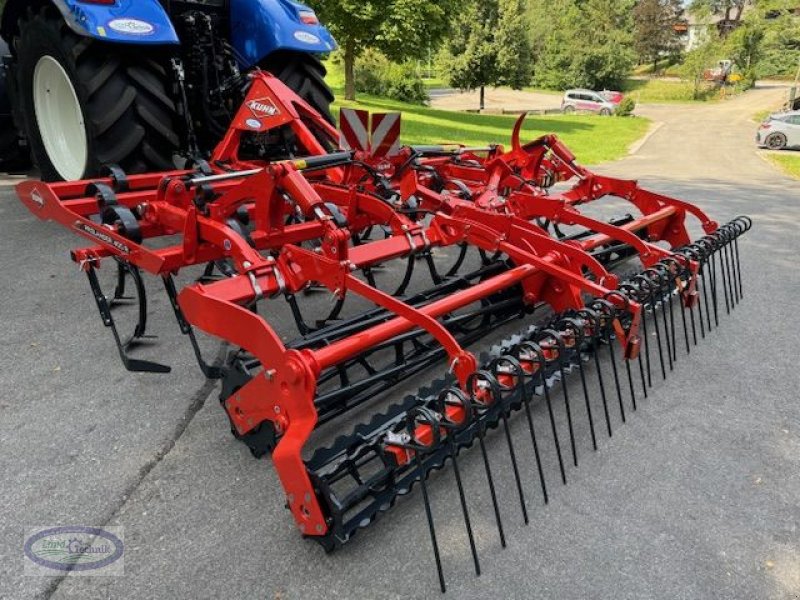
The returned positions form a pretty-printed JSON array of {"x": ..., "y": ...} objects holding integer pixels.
[{"x": 469, "y": 238}]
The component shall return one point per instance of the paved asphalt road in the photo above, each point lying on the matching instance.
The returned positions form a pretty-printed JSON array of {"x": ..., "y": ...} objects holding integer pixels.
[{"x": 697, "y": 497}]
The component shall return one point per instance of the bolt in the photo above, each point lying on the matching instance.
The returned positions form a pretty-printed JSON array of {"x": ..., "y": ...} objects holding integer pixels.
[
  {"x": 308, "y": 496},
  {"x": 247, "y": 264},
  {"x": 319, "y": 528},
  {"x": 277, "y": 410},
  {"x": 269, "y": 374},
  {"x": 227, "y": 245}
]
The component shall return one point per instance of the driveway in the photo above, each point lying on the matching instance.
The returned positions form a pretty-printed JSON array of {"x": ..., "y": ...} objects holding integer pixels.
[{"x": 697, "y": 496}]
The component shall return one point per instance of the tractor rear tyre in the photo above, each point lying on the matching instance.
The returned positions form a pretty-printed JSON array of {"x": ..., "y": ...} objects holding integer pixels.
[
  {"x": 304, "y": 74},
  {"x": 85, "y": 104}
]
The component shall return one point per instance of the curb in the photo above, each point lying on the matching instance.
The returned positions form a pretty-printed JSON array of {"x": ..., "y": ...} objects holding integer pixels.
[{"x": 638, "y": 145}]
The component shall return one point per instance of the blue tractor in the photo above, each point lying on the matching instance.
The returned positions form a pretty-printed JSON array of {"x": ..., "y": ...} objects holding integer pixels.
[{"x": 144, "y": 84}]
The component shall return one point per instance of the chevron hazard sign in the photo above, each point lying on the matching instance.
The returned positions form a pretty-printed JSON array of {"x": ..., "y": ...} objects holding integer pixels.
[{"x": 379, "y": 136}]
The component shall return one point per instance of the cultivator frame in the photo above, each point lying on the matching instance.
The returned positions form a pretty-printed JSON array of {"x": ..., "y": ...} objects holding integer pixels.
[{"x": 276, "y": 229}]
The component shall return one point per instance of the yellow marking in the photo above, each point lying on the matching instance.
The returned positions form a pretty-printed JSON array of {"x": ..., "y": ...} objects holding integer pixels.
[{"x": 102, "y": 31}]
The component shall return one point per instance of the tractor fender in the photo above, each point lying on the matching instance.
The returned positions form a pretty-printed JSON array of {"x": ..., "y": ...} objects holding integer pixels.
[
  {"x": 262, "y": 27},
  {"x": 143, "y": 22}
]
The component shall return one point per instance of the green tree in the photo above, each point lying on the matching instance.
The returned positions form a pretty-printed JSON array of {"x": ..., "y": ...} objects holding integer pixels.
[
  {"x": 470, "y": 58},
  {"x": 488, "y": 46},
  {"x": 582, "y": 43},
  {"x": 730, "y": 10},
  {"x": 697, "y": 61},
  {"x": 513, "y": 48},
  {"x": 779, "y": 52},
  {"x": 654, "y": 28},
  {"x": 744, "y": 48},
  {"x": 401, "y": 29}
]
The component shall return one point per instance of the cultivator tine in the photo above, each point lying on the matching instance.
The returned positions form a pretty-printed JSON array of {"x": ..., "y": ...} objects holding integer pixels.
[
  {"x": 655, "y": 287},
  {"x": 671, "y": 313},
  {"x": 664, "y": 288},
  {"x": 574, "y": 330},
  {"x": 713, "y": 275},
  {"x": 723, "y": 268},
  {"x": 706, "y": 286},
  {"x": 606, "y": 312},
  {"x": 528, "y": 365},
  {"x": 593, "y": 317},
  {"x": 454, "y": 397},
  {"x": 682, "y": 299},
  {"x": 553, "y": 345},
  {"x": 484, "y": 390},
  {"x": 475, "y": 413},
  {"x": 535, "y": 352},
  {"x": 422, "y": 415},
  {"x": 632, "y": 292},
  {"x": 744, "y": 224},
  {"x": 642, "y": 295}
]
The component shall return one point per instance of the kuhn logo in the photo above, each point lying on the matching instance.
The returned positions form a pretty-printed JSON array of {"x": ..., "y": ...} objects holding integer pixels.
[{"x": 263, "y": 107}]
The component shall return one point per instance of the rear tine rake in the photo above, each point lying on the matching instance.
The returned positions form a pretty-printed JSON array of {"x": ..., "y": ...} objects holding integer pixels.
[{"x": 476, "y": 240}]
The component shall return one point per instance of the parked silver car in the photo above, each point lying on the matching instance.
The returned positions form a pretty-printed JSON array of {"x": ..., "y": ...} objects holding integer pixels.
[
  {"x": 602, "y": 103},
  {"x": 779, "y": 131}
]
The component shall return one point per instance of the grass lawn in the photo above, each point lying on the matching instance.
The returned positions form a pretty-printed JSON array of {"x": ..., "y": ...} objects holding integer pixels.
[
  {"x": 665, "y": 67},
  {"x": 656, "y": 91},
  {"x": 659, "y": 91},
  {"x": 762, "y": 115},
  {"x": 593, "y": 139},
  {"x": 787, "y": 162}
]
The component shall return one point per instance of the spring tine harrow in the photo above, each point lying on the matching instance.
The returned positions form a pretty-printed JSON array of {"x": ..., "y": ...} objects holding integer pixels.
[
  {"x": 443, "y": 245},
  {"x": 455, "y": 398}
]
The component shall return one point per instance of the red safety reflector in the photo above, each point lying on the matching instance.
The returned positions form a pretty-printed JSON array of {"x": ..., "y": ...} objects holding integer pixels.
[{"x": 309, "y": 17}]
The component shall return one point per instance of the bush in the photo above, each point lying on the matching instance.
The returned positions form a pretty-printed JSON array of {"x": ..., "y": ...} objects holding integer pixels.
[
  {"x": 625, "y": 107},
  {"x": 378, "y": 76}
]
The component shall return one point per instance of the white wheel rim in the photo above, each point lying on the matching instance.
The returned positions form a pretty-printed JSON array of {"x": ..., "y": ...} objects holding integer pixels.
[{"x": 60, "y": 119}]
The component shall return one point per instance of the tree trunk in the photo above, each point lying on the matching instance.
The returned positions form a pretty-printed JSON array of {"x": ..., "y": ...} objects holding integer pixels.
[
  {"x": 483, "y": 97},
  {"x": 739, "y": 11},
  {"x": 349, "y": 71}
]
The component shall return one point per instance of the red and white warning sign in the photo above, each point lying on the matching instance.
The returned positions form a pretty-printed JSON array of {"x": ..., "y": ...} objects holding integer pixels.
[
  {"x": 357, "y": 131},
  {"x": 354, "y": 127},
  {"x": 385, "y": 134}
]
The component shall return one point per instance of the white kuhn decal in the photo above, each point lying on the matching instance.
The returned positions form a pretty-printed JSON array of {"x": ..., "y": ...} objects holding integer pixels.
[
  {"x": 263, "y": 107},
  {"x": 305, "y": 37},
  {"x": 37, "y": 197},
  {"x": 132, "y": 26},
  {"x": 101, "y": 235}
]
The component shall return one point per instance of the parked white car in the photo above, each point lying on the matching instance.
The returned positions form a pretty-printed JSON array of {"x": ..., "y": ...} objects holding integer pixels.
[
  {"x": 602, "y": 103},
  {"x": 779, "y": 131}
]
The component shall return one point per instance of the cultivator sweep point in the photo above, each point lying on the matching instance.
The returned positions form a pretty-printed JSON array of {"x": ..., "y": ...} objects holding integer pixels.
[{"x": 438, "y": 247}]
